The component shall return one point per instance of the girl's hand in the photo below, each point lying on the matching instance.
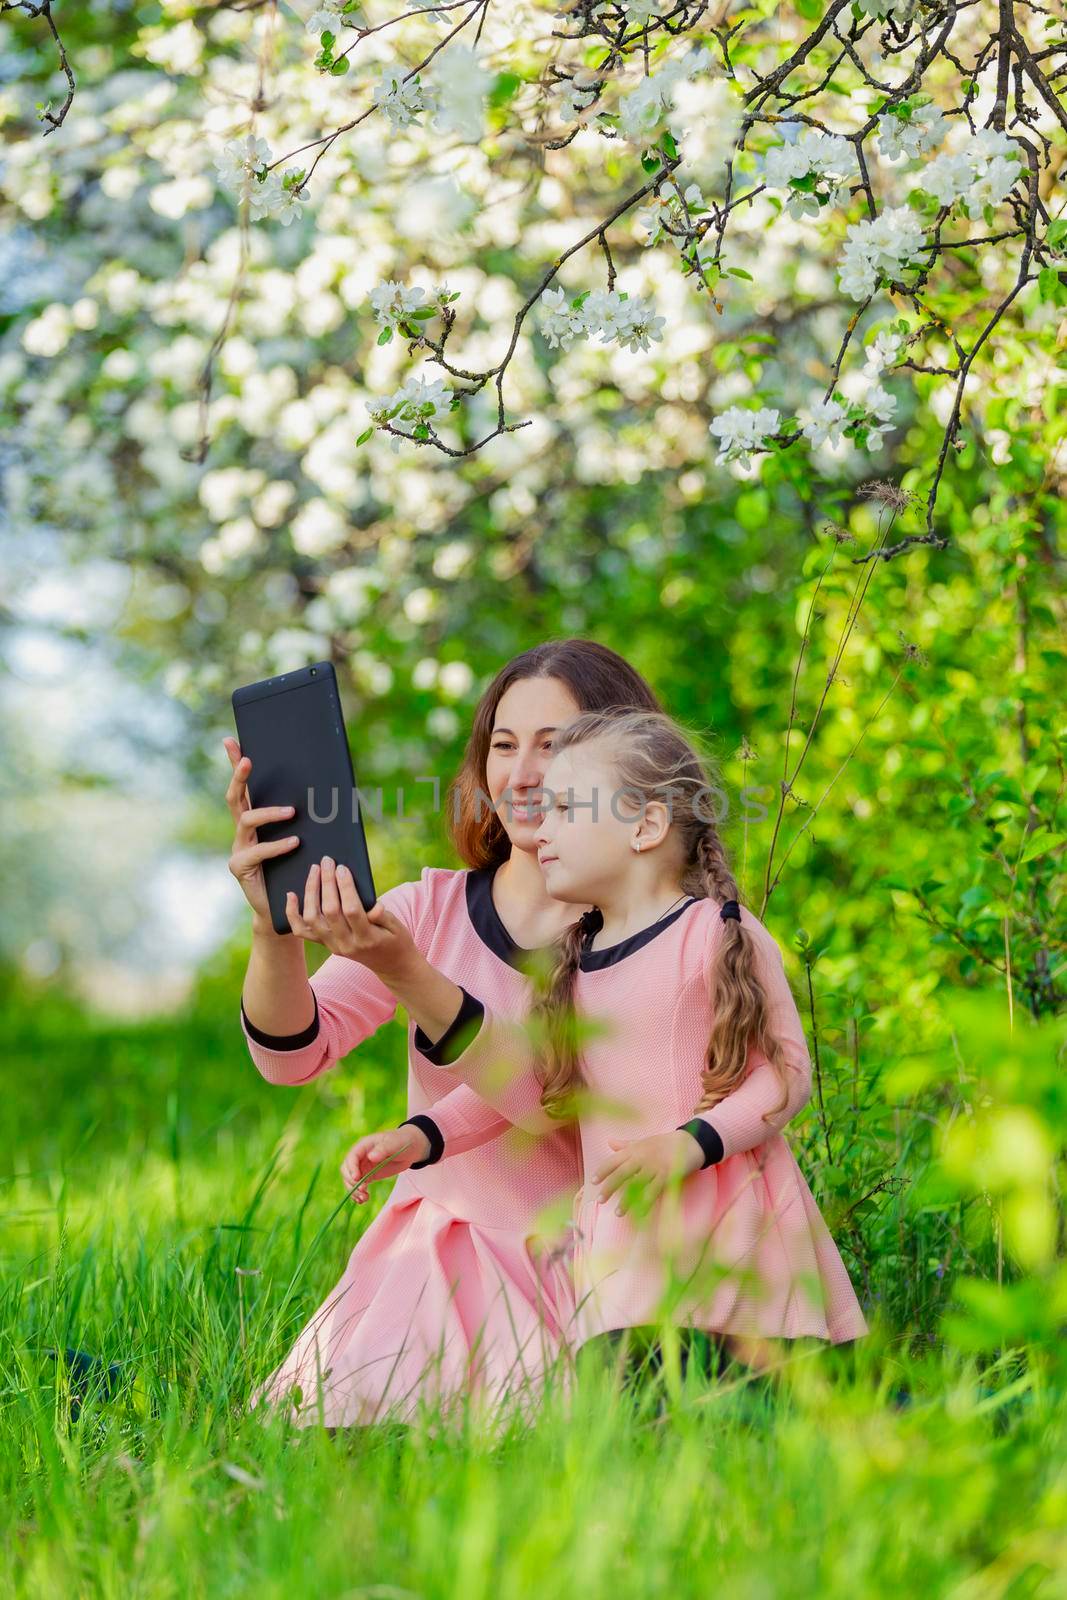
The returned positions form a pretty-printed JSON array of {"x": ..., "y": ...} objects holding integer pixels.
[
  {"x": 333, "y": 915},
  {"x": 248, "y": 854},
  {"x": 389, "y": 1153},
  {"x": 646, "y": 1166}
]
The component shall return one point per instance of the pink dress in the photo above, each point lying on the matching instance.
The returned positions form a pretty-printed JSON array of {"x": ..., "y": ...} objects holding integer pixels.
[
  {"x": 741, "y": 1247},
  {"x": 442, "y": 1300}
]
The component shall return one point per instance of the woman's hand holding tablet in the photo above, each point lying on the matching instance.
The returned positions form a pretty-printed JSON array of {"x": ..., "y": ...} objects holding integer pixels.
[
  {"x": 332, "y": 915},
  {"x": 249, "y": 851}
]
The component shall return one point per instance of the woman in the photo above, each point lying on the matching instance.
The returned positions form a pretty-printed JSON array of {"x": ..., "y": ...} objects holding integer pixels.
[{"x": 445, "y": 1297}]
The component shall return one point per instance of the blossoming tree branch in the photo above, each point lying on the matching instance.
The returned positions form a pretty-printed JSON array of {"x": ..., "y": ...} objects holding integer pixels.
[{"x": 917, "y": 146}]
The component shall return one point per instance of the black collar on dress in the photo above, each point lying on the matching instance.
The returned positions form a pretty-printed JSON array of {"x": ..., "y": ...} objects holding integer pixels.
[
  {"x": 485, "y": 920},
  {"x": 593, "y": 960}
]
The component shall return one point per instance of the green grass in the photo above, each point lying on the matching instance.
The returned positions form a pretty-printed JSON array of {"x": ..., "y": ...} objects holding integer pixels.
[{"x": 142, "y": 1166}]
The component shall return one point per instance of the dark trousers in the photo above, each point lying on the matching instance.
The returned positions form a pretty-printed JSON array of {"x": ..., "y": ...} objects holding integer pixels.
[{"x": 636, "y": 1353}]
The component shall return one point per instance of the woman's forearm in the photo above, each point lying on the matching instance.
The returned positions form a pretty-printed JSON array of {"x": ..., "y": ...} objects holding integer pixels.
[
  {"x": 430, "y": 999},
  {"x": 277, "y": 997}
]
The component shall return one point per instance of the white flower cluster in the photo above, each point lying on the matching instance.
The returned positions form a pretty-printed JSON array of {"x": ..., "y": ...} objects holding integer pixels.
[
  {"x": 671, "y": 206},
  {"x": 980, "y": 175},
  {"x": 574, "y": 98},
  {"x": 910, "y": 129},
  {"x": 900, "y": 10},
  {"x": 878, "y": 247},
  {"x": 241, "y": 165},
  {"x": 814, "y": 168},
  {"x": 393, "y": 303},
  {"x": 740, "y": 432},
  {"x": 829, "y": 420},
  {"x": 454, "y": 99},
  {"x": 402, "y": 99},
  {"x": 460, "y": 92},
  {"x": 413, "y": 407},
  {"x": 628, "y": 318},
  {"x": 641, "y": 110},
  {"x": 328, "y": 17}
]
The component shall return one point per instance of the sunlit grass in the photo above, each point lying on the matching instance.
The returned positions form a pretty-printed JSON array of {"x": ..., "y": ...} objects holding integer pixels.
[{"x": 178, "y": 1220}]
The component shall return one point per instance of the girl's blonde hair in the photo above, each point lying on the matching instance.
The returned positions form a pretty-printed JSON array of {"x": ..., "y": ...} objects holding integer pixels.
[{"x": 651, "y": 754}]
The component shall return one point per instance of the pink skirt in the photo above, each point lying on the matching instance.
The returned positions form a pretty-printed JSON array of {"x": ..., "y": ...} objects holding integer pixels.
[
  {"x": 742, "y": 1248},
  {"x": 431, "y": 1311}
]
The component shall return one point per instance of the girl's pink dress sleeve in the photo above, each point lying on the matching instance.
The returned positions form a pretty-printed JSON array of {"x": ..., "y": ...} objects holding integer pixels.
[
  {"x": 498, "y": 1061},
  {"x": 738, "y": 1119}
]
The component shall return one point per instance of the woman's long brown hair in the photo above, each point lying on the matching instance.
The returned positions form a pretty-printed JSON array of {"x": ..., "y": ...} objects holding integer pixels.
[
  {"x": 651, "y": 754},
  {"x": 597, "y": 677}
]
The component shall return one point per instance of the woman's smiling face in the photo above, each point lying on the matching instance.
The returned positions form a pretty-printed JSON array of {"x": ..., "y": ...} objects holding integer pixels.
[{"x": 520, "y": 748}]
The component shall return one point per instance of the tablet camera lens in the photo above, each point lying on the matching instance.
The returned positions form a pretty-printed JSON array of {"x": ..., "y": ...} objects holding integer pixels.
[{"x": 314, "y": 671}]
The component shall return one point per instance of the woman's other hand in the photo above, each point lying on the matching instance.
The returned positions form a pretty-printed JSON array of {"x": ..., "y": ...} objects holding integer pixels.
[
  {"x": 389, "y": 1152},
  {"x": 249, "y": 853}
]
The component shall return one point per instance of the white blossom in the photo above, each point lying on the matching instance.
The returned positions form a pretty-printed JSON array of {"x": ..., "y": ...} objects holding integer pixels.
[
  {"x": 327, "y": 18},
  {"x": 911, "y": 135},
  {"x": 641, "y": 110},
  {"x": 460, "y": 87},
  {"x": 573, "y": 99},
  {"x": 878, "y": 247},
  {"x": 980, "y": 174},
  {"x": 740, "y": 432},
  {"x": 826, "y": 158},
  {"x": 402, "y": 99},
  {"x": 880, "y": 405},
  {"x": 899, "y": 10},
  {"x": 420, "y": 400},
  {"x": 883, "y": 351},
  {"x": 558, "y": 323},
  {"x": 239, "y": 161},
  {"x": 393, "y": 303},
  {"x": 274, "y": 198},
  {"x": 826, "y": 421},
  {"x": 629, "y": 319}
]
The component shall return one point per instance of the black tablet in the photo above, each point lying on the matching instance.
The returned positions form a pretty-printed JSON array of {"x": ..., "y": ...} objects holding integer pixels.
[{"x": 292, "y": 729}]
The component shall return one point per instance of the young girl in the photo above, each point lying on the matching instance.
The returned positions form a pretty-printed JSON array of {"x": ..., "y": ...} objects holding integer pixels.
[
  {"x": 447, "y": 1295},
  {"x": 694, "y": 1058}
]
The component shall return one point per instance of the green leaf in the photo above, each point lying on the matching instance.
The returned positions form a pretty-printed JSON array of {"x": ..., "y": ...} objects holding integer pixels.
[
  {"x": 385, "y": 336},
  {"x": 1057, "y": 232},
  {"x": 340, "y": 67},
  {"x": 670, "y": 145},
  {"x": 650, "y": 160},
  {"x": 364, "y": 436},
  {"x": 739, "y": 272},
  {"x": 504, "y": 88},
  {"x": 1041, "y": 841}
]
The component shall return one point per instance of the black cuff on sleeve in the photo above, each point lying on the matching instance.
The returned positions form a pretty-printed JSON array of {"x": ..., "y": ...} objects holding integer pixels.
[
  {"x": 433, "y": 1133},
  {"x": 706, "y": 1138},
  {"x": 284, "y": 1041},
  {"x": 460, "y": 1032}
]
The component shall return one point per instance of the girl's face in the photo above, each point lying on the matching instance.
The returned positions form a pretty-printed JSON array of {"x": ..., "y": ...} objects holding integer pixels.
[
  {"x": 585, "y": 844},
  {"x": 520, "y": 748}
]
